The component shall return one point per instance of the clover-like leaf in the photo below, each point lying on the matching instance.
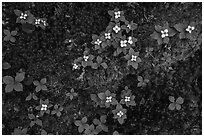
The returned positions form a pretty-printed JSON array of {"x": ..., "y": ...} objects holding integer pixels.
[{"x": 6, "y": 65}]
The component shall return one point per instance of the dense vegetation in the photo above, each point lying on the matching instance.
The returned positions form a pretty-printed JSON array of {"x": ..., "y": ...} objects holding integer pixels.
[{"x": 102, "y": 68}]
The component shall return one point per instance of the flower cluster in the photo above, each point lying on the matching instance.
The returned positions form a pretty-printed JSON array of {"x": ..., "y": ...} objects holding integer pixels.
[
  {"x": 162, "y": 34},
  {"x": 27, "y": 17},
  {"x": 108, "y": 100}
]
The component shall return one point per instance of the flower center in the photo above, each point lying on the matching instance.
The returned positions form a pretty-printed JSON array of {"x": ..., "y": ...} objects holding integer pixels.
[
  {"x": 108, "y": 99},
  {"x": 123, "y": 43},
  {"x": 190, "y": 29},
  {"x": 134, "y": 58},
  {"x": 44, "y": 107},
  {"x": 117, "y": 14},
  {"x": 127, "y": 99},
  {"x": 116, "y": 29},
  {"x": 86, "y": 58},
  {"x": 120, "y": 113},
  {"x": 164, "y": 33},
  {"x": 98, "y": 42}
]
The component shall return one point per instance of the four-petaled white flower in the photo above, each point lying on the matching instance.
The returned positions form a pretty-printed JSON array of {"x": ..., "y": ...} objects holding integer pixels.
[
  {"x": 86, "y": 58},
  {"x": 120, "y": 113},
  {"x": 107, "y": 36},
  {"x": 108, "y": 99},
  {"x": 44, "y": 22},
  {"x": 44, "y": 107},
  {"x": 134, "y": 58},
  {"x": 116, "y": 29},
  {"x": 98, "y": 42},
  {"x": 117, "y": 14},
  {"x": 23, "y": 16},
  {"x": 164, "y": 33},
  {"x": 123, "y": 43},
  {"x": 127, "y": 98},
  {"x": 190, "y": 29},
  {"x": 130, "y": 41},
  {"x": 75, "y": 66},
  {"x": 37, "y": 21}
]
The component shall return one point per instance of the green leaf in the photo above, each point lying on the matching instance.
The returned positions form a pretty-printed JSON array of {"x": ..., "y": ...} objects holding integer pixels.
[
  {"x": 139, "y": 78},
  {"x": 8, "y": 80},
  {"x": 20, "y": 76},
  {"x": 17, "y": 12},
  {"x": 99, "y": 59},
  {"x": 179, "y": 100},
  {"x": 101, "y": 96},
  {"x": 171, "y": 98},
  {"x": 180, "y": 27},
  {"x": 8, "y": 88},
  {"x": 6, "y": 65},
  {"x": 43, "y": 81},
  {"x": 12, "y": 39},
  {"x": 18, "y": 87},
  {"x": 172, "y": 106},
  {"x": 104, "y": 65},
  {"x": 28, "y": 97}
]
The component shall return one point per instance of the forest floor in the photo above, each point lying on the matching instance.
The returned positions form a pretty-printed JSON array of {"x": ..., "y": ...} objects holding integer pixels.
[{"x": 46, "y": 90}]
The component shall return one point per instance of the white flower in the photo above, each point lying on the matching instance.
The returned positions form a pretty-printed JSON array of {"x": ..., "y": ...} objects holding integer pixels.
[
  {"x": 123, "y": 43},
  {"x": 164, "y": 33},
  {"x": 44, "y": 22},
  {"x": 120, "y": 113},
  {"x": 108, "y": 99},
  {"x": 98, "y": 42},
  {"x": 75, "y": 66},
  {"x": 107, "y": 36},
  {"x": 86, "y": 58},
  {"x": 44, "y": 107},
  {"x": 37, "y": 21},
  {"x": 117, "y": 14},
  {"x": 23, "y": 16},
  {"x": 134, "y": 58},
  {"x": 129, "y": 26},
  {"x": 130, "y": 41},
  {"x": 127, "y": 99},
  {"x": 116, "y": 29},
  {"x": 190, "y": 29}
]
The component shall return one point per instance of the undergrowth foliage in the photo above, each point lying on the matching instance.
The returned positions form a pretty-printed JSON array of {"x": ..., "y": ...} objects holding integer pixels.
[{"x": 119, "y": 40}]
